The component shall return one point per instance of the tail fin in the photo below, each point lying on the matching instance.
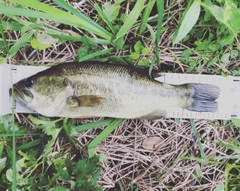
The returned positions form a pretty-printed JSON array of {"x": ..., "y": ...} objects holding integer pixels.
[{"x": 203, "y": 97}]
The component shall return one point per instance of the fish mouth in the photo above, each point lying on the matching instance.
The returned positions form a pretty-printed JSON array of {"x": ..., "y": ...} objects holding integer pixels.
[{"x": 23, "y": 95}]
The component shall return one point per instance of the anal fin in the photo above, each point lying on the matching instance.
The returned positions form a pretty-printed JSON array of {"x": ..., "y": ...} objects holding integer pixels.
[{"x": 154, "y": 115}]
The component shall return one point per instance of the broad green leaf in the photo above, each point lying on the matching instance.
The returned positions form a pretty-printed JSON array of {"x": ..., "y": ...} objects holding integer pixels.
[
  {"x": 143, "y": 62},
  {"x": 27, "y": 156},
  {"x": 134, "y": 55},
  {"x": 2, "y": 163},
  {"x": 138, "y": 47},
  {"x": 227, "y": 13},
  {"x": 225, "y": 59},
  {"x": 91, "y": 152},
  {"x": 105, "y": 133},
  {"x": 146, "y": 51},
  {"x": 102, "y": 158},
  {"x": 6, "y": 121},
  {"x": 49, "y": 145},
  {"x": 226, "y": 40},
  {"x": 44, "y": 38},
  {"x": 188, "y": 22},
  {"x": 39, "y": 46},
  {"x": 111, "y": 10},
  {"x": 118, "y": 43},
  {"x": 9, "y": 175},
  {"x": 234, "y": 54},
  {"x": 83, "y": 51},
  {"x": 20, "y": 180},
  {"x": 48, "y": 127},
  {"x": 231, "y": 16},
  {"x": 217, "y": 12},
  {"x": 20, "y": 164},
  {"x": 131, "y": 19},
  {"x": 63, "y": 174},
  {"x": 69, "y": 165}
]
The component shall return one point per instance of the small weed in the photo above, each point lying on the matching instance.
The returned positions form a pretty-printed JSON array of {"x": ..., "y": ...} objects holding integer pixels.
[{"x": 38, "y": 166}]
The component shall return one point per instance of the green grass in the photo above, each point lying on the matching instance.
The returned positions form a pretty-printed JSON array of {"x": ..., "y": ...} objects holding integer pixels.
[{"x": 39, "y": 153}]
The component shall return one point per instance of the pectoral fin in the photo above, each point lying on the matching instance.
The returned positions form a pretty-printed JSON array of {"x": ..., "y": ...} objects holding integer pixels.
[{"x": 84, "y": 101}]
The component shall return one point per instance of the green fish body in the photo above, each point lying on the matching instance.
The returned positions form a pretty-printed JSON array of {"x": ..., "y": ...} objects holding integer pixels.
[{"x": 94, "y": 89}]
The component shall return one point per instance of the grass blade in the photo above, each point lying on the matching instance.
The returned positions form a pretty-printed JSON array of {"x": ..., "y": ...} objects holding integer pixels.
[
  {"x": 93, "y": 125},
  {"x": 105, "y": 133},
  {"x": 95, "y": 54},
  {"x": 198, "y": 139},
  {"x": 105, "y": 18},
  {"x": 31, "y": 144},
  {"x": 35, "y": 14},
  {"x": 12, "y": 26},
  {"x": 88, "y": 23},
  {"x": 160, "y": 8},
  {"x": 78, "y": 38},
  {"x": 150, "y": 29},
  {"x": 3, "y": 37},
  {"x": 14, "y": 157},
  {"x": 145, "y": 16},
  {"x": 52, "y": 13},
  {"x": 189, "y": 20},
  {"x": 131, "y": 19}
]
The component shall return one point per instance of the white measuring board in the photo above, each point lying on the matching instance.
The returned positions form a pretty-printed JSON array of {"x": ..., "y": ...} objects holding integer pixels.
[
  {"x": 16, "y": 73},
  {"x": 228, "y": 104},
  {"x": 228, "y": 101}
]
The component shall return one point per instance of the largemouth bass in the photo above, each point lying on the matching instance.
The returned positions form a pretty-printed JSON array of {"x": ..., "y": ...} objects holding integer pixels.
[{"x": 94, "y": 89}]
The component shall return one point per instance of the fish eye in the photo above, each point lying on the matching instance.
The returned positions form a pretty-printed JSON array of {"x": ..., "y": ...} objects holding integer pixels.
[{"x": 28, "y": 82}]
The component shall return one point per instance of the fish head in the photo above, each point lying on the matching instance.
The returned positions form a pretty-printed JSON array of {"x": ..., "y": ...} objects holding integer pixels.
[{"x": 44, "y": 93}]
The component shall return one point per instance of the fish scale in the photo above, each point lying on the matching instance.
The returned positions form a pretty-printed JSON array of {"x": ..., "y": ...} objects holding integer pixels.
[{"x": 228, "y": 100}]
